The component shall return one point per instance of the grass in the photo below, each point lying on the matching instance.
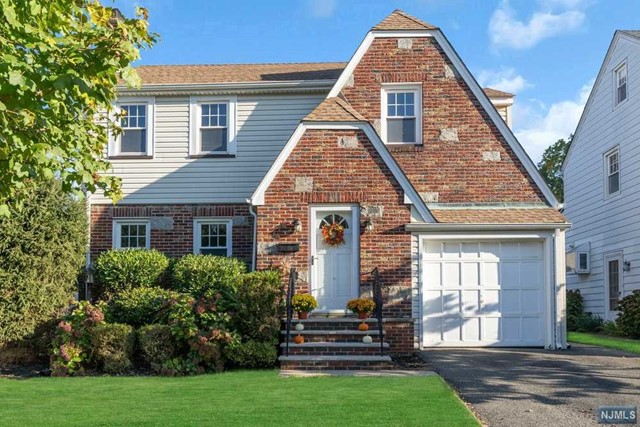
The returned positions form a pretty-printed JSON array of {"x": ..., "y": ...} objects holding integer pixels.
[
  {"x": 632, "y": 346},
  {"x": 241, "y": 398}
]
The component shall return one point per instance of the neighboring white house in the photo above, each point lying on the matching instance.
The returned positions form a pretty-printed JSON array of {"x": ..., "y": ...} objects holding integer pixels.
[{"x": 602, "y": 183}]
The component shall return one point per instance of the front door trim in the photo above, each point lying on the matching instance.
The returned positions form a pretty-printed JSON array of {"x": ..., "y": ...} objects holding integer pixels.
[
  {"x": 355, "y": 227},
  {"x": 612, "y": 256}
]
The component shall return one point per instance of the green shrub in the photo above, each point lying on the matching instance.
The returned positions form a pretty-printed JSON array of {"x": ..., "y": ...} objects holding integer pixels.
[
  {"x": 259, "y": 308},
  {"x": 610, "y": 328},
  {"x": 252, "y": 354},
  {"x": 120, "y": 270},
  {"x": 588, "y": 322},
  {"x": 112, "y": 346},
  {"x": 629, "y": 316},
  {"x": 42, "y": 250},
  {"x": 575, "y": 307},
  {"x": 156, "y": 345},
  {"x": 138, "y": 306},
  {"x": 197, "y": 274}
]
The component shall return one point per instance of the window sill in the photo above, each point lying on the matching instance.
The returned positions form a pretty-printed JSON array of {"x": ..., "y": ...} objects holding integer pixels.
[
  {"x": 212, "y": 155},
  {"x": 130, "y": 156}
]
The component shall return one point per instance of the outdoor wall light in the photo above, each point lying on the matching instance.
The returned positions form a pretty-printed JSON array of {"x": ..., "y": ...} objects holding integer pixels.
[
  {"x": 297, "y": 225},
  {"x": 626, "y": 266},
  {"x": 368, "y": 224}
]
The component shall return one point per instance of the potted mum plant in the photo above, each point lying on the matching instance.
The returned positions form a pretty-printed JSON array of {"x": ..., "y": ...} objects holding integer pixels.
[
  {"x": 363, "y": 307},
  {"x": 303, "y": 304}
]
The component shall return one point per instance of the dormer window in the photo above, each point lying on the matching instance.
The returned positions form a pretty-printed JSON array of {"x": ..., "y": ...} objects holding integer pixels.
[
  {"x": 620, "y": 76},
  {"x": 212, "y": 126},
  {"x": 402, "y": 114}
]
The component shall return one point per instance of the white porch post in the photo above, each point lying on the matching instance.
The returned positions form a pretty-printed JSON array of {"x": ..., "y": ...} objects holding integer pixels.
[{"x": 560, "y": 289}]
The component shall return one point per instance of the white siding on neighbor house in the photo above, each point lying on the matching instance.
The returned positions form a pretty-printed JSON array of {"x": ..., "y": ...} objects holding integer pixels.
[
  {"x": 264, "y": 124},
  {"x": 609, "y": 224}
]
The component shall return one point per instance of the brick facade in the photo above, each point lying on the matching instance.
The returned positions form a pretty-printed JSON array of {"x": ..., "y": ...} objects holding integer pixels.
[
  {"x": 175, "y": 237},
  {"x": 456, "y": 170},
  {"x": 353, "y": 174}
]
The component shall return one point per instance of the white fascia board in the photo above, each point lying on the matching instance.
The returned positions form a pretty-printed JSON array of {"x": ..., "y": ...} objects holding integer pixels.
[
  {"x": 190, "y": 88},
  {"x": 257, "y": 199},
  {"x": 418, "y": 227}
]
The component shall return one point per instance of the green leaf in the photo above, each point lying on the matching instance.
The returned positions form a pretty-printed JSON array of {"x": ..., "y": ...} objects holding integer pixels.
[{"x": 15, "y": 78}]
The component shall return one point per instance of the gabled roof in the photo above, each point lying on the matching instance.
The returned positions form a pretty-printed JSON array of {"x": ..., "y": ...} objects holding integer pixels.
[
  {"x": 632, "y": 33},
  {"x": 399, "y": 20},
  {"x": 495, "y": 93},
  {"x": 236, "y": 73},
  {"x": 334, "y": 110},
  {"x": 499, "y": 216}
]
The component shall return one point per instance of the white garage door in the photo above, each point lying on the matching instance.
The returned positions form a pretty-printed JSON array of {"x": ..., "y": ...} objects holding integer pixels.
[{"x": 483, "y": 293}]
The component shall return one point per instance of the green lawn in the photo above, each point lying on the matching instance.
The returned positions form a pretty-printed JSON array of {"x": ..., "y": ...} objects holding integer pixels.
[
  {"x": 247, "y": 398},
  {"x": 632, "y": 346}
]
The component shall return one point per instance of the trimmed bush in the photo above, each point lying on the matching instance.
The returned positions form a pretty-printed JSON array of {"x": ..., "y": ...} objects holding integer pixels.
[
  {"x": 575, "y": 307},
  {"x": 121, "y": 270},
  {"x": 197, "y": 274},
  {"x": 138, "y": 306},
  {"x": 157, "y": 345},
  {"x": 112, "y": 346},
  {"x": 252, "y": 354},
  {"x": 42, "y": 250},
  {"x": 629, "y": 317},
  {"x": 259, "y": 300}
]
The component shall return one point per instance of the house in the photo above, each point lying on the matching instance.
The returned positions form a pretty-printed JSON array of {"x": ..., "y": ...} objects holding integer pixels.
[
  {"x": 400, "y": 147},
  {"x": 601, "y": 180}
]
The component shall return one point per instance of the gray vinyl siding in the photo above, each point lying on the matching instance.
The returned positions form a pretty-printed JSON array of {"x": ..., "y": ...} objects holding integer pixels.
[
  {"x": 264, "y": 124},
  {"x": 608, "y": 224}
]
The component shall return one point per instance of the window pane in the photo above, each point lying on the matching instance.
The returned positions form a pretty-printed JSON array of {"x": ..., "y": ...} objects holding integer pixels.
[
  {"x": 622, "y": 93},
  {"x": 614, "y": 183},
  {"x": 222, "y": 109},
  {"x": 217, "y": 252},
  {"x": 409, "y": 111},
  {"x": 391, "y": 98},
  {"x": 409, "y": 98},
  {"x": 391, "y": 111},
  {"x": 205, "y": 121},
  {"x": 213, "y": 139},
  {"x": 614, "y": 284},
  {"x": 400, "y": 110},
  {"x": 400, "y": 98},
  {"x": 133, "y": 141},
  {"x": 401, "y": 130}
]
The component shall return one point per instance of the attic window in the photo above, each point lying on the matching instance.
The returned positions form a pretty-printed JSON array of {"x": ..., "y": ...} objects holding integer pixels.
[
  {"x": 401, "y": 109},
  {"x": 620, "y": 75}
]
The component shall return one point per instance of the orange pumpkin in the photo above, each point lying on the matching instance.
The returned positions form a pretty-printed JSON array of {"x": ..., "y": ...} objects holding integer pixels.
[
  {"x": 363, "y": 327},
  {"x": 298, "y": 339}
]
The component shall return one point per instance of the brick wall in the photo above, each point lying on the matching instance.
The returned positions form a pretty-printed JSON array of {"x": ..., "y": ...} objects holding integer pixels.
[
  {"x": 456, "y": 170},
  {"x": 334, "y": 175},
  {"x": 175, "y": 234}
]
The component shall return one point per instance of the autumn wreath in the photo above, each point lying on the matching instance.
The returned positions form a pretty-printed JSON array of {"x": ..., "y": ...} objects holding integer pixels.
[{"x": 333, "y": 234}]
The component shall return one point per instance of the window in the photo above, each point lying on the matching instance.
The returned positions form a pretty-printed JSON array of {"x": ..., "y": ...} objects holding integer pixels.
[
  {"x": 131, "y": 234},
  {"x": 136, "y": 120},
  {"x": 212, "y": 126},
  {"x": 620, "y": 76},
  {"x": 401, "y": 114},
  {"x": 212, "y": 237},
  {"x": 612, "y": 172}
]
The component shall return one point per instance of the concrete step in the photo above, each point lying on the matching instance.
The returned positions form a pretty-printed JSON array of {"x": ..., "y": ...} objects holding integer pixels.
[
  {"x": 332, "y": 362},
  {"x": 335, "y": 348},
  {"x": 328, "y": 335},
  {"x": 342, "y": 323}
]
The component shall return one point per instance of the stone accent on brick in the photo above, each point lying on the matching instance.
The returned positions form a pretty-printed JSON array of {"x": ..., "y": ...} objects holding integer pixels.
[
  {"x": 347, "y": 142},
  {"x": 161, "y": 222},
  {"x": 449, "y": 72},
  {"x": 350, "y": 81},
  {"x": 266, "y": 248},
  {"x": 303, "y": 184},
  {"x": 377, "y": 126},
  {"x": 449, "y": 135},
  {"x": 240, "y": 220},
  {"x": 372, "y": 211},
  {"x": 491, "y": 156},
  {"x": 429, "y": 197},
  {"x": 405, "y": 43}
]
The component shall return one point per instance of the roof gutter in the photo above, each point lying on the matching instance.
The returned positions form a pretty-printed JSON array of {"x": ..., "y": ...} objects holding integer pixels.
[
  {"x": 448, "y": 226},
  {"x": 190, "y": 88}
]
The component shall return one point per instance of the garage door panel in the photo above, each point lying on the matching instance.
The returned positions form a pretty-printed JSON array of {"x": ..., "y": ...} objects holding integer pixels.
[{"x": 483, "y": 293}]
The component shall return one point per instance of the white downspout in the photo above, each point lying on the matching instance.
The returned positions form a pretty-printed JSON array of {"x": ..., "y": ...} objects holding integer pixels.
[
  {"x": 88, "y": 274},
  {"x": 254, "y": 255}
]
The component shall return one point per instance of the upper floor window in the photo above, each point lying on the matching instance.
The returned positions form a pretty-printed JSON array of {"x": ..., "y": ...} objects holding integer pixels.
[
  {"x": 212, "y": 126},
  {"x": 212, "y": 236},
  {"x": 401, "y": 114},
  {"x": 620, "y": 75},
  {"x": 612, "y": 172},
  {"x": 131, "y": 234},
  {"x": 136, "y": 121}
]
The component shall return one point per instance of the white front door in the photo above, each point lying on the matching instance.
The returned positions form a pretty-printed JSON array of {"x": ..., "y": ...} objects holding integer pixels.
[
  {"x": 334, "y": 268},
  {"x": 483, "y": 293},
  {"x": 612, "y": 284}
]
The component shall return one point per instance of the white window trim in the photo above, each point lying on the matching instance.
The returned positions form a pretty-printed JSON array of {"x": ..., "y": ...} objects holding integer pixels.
[
  {"x": 114, "y": 141},
  {"x": 401, "y": 87},
  {"x": 620, "y": 66},
  {"x": 117, "y": 223},
  {"x": 212, "y": 220},
  {"x": 606, "y": 156},
  {"x": 194, "y": 125}
]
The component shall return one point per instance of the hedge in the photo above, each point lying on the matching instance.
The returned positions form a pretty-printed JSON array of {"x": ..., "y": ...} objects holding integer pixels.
[{"x": 121, "y": 270}]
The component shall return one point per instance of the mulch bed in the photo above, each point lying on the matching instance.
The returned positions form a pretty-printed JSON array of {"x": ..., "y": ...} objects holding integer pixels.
[{"x": 411, "y": 362}]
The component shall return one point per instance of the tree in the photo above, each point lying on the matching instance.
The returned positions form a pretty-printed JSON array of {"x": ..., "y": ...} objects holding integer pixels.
[
  {"x": 551, "y": 164},
  {"x": 60, "y": 62}
]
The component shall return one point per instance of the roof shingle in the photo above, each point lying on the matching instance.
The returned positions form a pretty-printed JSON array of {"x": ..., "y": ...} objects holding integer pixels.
[
  {"x": 399, "y": 20},
  {"x": 334, "y": 110},
  {"x": 499, "y": 216},
  {"x": 491, "y": 93}
]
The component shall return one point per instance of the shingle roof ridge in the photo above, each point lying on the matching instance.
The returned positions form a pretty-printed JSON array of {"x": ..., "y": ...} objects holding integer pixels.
[{"x": 243, "y": 63}]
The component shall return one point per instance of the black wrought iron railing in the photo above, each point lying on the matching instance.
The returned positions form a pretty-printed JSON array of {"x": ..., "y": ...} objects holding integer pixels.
[
  {"x": 293, "y": 275},
  {"x": 377, "y": 298}
]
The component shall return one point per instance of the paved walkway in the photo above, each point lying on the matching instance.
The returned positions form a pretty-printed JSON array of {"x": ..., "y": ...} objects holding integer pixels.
[{"x": 534, "y": 387}]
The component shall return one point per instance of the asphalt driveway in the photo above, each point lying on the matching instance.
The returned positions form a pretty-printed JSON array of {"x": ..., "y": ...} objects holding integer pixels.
[{"x": 534, "y": 387}]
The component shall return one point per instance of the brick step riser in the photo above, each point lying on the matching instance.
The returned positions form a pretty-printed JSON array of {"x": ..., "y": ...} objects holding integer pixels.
[
  {"x": 333, "y": 365},
  {"x": 334, "y": 338},
  {"x": 315, "y": 351},
  {"x": 332, "y": 326}
]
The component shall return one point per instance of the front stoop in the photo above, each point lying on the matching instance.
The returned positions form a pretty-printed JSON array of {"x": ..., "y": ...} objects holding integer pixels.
[{"x": 334, "y": 344}]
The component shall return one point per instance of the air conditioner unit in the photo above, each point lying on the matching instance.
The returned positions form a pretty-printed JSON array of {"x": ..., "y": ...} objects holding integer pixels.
[{"x": 583, "y": 262}]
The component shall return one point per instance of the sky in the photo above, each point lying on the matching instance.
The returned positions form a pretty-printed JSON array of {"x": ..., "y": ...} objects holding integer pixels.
[{"x": 546, "y": 52}]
